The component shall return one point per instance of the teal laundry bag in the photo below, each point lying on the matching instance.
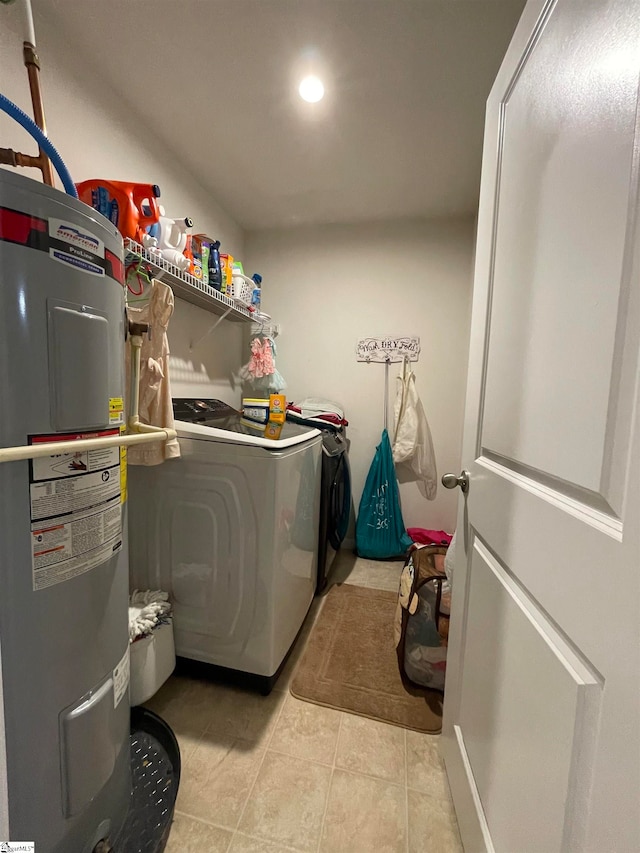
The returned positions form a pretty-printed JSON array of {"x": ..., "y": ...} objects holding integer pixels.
[{"x": 380, "y": 530}]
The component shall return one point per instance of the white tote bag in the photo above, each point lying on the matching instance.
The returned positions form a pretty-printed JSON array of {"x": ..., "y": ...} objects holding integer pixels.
[{"x": 412, "y": 443}]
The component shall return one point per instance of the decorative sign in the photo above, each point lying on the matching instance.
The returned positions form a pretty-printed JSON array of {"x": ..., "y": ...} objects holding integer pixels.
[{"x": 391, "y": 349}]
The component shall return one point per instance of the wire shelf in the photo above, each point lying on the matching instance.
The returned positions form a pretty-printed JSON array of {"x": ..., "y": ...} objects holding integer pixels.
[{"x": 187, "y": 286}]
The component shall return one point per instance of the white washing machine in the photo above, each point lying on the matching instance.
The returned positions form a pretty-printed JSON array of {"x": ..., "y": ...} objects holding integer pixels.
[{"x": 230, "y": 530}]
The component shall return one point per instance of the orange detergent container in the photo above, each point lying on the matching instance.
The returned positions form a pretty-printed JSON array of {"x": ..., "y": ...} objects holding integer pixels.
[{"x": 131, "y": 207}]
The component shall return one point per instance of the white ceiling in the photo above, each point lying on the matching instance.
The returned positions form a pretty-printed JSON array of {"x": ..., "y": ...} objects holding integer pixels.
[{"x": 398, "y": 134}]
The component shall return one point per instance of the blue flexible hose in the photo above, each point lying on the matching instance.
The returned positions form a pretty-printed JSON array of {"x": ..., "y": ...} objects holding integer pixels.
[{"x": 47, "y": 146}]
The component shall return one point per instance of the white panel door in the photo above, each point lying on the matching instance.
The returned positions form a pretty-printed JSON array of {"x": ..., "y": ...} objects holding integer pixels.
[{"x": 541, "y": 734}]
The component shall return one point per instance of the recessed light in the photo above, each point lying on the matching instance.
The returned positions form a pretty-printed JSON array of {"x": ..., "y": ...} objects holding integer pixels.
[{"x": 311, "y": 89}]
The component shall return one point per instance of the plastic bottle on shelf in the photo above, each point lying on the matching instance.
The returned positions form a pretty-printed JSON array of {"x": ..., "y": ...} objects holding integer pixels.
[
  {"x": 188, "y": 250},
  {"x": 170, "y": 237},
  {"x": 131, "y": 207},
  {"x": 215, "y": 272},
  {"x": 257, "y": 291},
  {"x": 172, "y": 256}
]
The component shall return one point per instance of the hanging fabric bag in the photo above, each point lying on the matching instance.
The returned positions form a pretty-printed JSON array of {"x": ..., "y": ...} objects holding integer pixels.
[
  {"x": 380, "y": 530},
  {"x": 412, "y": 445}
]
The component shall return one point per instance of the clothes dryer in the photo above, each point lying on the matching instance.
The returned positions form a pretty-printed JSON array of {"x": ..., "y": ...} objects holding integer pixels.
[{"x": 230, "y": 530}]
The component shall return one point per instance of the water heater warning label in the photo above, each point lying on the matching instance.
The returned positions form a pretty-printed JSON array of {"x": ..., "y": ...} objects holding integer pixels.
[{"x": 76, "y": 519}]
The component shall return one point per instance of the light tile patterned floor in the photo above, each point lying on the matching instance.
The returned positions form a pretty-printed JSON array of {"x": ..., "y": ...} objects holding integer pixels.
[{"x": 273, "y": 774}]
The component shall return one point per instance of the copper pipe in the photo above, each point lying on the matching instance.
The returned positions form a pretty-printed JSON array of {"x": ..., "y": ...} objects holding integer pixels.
[
  {"x": 32, "y": 64},
  {"x": 10, "y": 157}
]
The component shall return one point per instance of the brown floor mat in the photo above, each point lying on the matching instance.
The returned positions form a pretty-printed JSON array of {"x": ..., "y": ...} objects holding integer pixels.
[{"x": 350, "y": 663}]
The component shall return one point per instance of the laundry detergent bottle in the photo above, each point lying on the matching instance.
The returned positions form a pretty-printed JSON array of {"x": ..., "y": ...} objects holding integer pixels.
[
  {"x": 171, "y": 239},
  {"x": 132, "y": 208}
]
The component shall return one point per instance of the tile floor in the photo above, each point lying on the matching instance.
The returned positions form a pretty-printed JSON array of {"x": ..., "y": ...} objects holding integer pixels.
[{"x": 272, "y": 774}]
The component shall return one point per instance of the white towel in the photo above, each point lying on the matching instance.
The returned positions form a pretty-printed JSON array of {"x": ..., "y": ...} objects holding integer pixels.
[
  {"x": 313, "y": 407},
  {"x": 146, "y": 609}
]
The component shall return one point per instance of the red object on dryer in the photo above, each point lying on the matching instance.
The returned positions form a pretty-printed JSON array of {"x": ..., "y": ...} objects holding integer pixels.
[{"x": 429, "y": 537}]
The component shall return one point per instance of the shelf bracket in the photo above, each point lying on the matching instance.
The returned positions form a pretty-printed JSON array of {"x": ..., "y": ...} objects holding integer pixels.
[{"x": 194, "y": 344}]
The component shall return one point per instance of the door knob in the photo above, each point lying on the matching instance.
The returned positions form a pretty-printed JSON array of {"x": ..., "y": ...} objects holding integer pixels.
[{"x": 450, "y": 481}]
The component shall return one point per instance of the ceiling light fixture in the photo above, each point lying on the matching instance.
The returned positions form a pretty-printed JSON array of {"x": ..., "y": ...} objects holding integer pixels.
[{"x": 311, "y": 89}]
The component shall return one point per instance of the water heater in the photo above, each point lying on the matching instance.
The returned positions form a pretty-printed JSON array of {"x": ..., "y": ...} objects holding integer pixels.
[{"x": 64, "y": 710}]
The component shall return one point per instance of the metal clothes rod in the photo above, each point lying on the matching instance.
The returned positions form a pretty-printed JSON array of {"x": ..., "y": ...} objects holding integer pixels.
[
  {"x": 53, "y": 448},
  {"x": 386, "y": 395}
]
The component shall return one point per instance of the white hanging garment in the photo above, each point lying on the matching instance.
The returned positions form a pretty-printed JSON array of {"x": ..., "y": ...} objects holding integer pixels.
[
  {"x": 412, "y": 443},
  {"x": 155, "y": 388}
]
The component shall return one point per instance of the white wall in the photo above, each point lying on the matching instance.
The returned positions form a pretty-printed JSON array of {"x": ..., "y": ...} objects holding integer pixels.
[
  {"x": 98, "y": 135},
  {"x": 329, "y": 286}
]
